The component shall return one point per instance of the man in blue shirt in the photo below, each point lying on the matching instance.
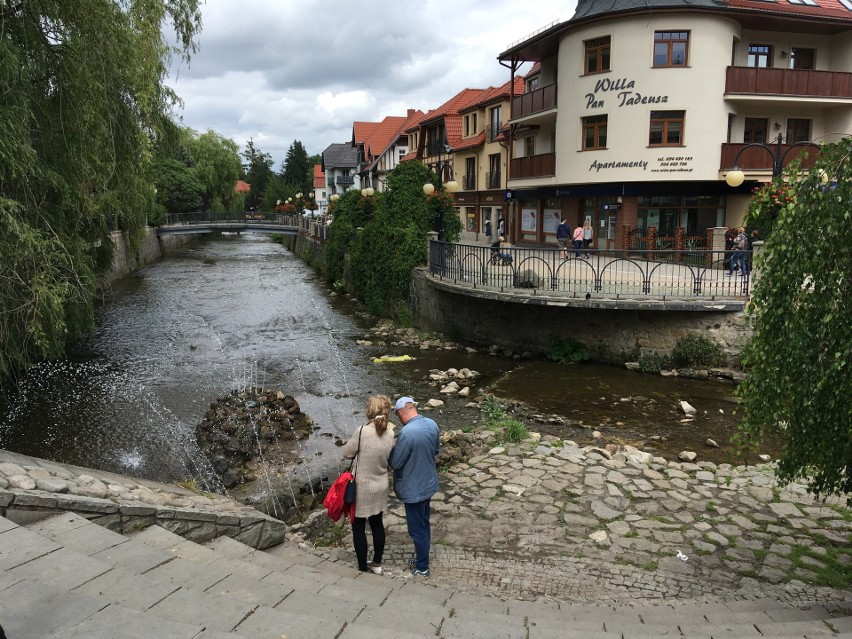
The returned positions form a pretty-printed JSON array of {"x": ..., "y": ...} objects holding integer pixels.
[
  {"x": 562, "y": 235},
  {"x": 415, "y": 476}
]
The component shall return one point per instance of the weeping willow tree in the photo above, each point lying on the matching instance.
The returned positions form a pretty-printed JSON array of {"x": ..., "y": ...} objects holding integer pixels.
[
  {"x": 799, "y": 384},
  {"x": 82, "y": 102}
]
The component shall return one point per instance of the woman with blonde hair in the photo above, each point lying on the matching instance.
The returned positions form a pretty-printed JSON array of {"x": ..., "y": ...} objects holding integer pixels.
[
  {"x": 588, "y": 235},
  {"x": 370, "y": 446}
]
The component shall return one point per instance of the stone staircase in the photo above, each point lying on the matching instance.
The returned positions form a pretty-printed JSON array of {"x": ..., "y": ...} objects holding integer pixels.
[{"x": 66, "y": 577}]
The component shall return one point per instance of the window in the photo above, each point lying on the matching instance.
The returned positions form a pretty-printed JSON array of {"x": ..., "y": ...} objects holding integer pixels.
[
  {"x": 470, "y": 124},
  {"x": 666, "y": 128},
  {"x": 760, "y": 56},
  {"x": 670, "y": 48},
  {"x": 801, "y": 58},
  {"x": 469, "y": 180},
  {"x": 594, "y": 132},
  {"x": 496, "y": 118},
  {"x": 529, "y": 146},
  {"x": 597, "y": 55},
  {"x": 798, "y": 130},
  {"x": 493, "y": 177},
  {"x": 755, "y": 130},
  {"x": 532, "y": 84}
]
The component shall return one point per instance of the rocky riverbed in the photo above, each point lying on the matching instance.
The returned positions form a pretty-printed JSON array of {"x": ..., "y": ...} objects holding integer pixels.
[
  {"x": 548, "y": 518},
  {"x": 249, "y": 428}
]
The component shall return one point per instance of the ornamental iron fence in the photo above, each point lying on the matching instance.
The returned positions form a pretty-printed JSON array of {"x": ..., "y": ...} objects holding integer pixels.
[{"x": 641, "y": 273}]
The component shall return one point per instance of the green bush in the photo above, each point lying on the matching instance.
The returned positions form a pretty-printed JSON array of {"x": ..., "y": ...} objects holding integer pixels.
[
  {"x": 696, "y": 350},
  {"x": 515, "y": 430},
  {"x": 403, "y": 315},
  {"x": 654, "y": 363},
  {"x": 567, "y": 351}
]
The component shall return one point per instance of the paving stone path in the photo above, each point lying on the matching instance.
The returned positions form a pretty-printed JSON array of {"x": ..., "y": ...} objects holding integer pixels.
[{"x": 548, "y": 519}]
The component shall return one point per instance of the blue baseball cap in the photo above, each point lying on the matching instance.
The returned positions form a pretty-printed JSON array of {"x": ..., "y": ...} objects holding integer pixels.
[{"x": 402, "y": 401}]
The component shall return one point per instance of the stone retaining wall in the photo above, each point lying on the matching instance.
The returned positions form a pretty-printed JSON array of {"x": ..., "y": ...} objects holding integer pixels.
[
  {"x": 498, "y": 321},
  {"x": 125, "y": 261},
  {"x": 528, "y": 327},
  {"x": 33, "y": 488}
]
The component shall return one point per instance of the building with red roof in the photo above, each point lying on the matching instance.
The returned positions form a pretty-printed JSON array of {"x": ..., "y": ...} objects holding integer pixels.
[
  {"x": 381, "y": 146},
  {"x": 637, "y": 111}
]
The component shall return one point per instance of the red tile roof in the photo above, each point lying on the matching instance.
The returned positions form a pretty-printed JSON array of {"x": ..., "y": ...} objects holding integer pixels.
[
  {"x": 382, "y": 135},
  {"x": 319, "y": 176},
  {"x": 824, "y": 8},
  {"x": 469, "y": 143},
  {"x": 455, "y": 104}
]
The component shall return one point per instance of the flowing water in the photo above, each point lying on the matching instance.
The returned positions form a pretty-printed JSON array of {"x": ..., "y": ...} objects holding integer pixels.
[{"x": 237, "y": 311}]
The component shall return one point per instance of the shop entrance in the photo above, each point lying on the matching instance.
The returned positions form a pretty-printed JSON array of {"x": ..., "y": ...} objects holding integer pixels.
[{"x": 602, "y": 213}]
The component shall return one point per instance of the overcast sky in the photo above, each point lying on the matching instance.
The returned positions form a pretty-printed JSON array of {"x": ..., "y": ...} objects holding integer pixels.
[{"x": 285, "y": 70}]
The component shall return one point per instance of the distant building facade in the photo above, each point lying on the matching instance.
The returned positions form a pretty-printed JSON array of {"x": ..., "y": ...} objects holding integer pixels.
[{"x": 637, "y": 110}]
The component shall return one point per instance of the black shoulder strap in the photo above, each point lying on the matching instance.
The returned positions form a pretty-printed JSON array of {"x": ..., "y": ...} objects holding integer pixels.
[{"x": 361, "y": 432}]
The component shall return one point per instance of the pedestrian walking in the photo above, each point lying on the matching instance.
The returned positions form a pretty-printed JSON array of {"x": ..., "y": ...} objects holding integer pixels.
[
  {"x": 738, "y": 256},
  {"x": 588, "y": 235},
  {"x": 370, "y": 446},
  {"x": 501, "y": 230},
  {"x": 488, "y": 230},
  {"x": 578, "y": 240},
  {"x": 415, "y": 476},
  {"x": 563, "y": 233}
]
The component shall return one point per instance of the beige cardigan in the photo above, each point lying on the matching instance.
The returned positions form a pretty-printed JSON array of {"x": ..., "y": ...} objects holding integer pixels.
[{"x": 371, "y": 468}]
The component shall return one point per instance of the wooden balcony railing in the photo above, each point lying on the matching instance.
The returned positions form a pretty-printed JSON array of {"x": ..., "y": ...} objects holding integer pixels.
[
  {"x": 533, "y": 166},
  {"x": 792, "y": 82},
  {"x": 534, "y": 102},
  {"x": 760, "y": 159}
]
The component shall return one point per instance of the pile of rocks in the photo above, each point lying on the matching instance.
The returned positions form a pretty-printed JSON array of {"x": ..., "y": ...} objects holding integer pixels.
[
  {"x": 386, "y": 333},
  {"x": 453, "y": 381},
  {"x": 248, "y": 425}
]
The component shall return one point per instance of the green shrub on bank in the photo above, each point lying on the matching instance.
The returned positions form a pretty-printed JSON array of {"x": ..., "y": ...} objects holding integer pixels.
[
  {"x": 567, "y": 351},
  {"x": 385, "y": 237},
  {"x": 654, "y": 363},
  {"x": 696, "y": 350},
  {"x": 511, "y": 429}
]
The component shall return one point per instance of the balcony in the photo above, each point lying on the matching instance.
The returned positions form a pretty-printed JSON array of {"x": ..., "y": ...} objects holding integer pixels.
[
  {"x": 757, "y": 159},
  {"x": 345, "y": 179},
  {"x": 533, "y": 166},
  {"x": 469, "y": 182},
  {"x": 800, "y": 83},
  {"x": 493, "y": 131},
  {"x": 534, "y": 102},
  {"x": 492, "y": 180}
]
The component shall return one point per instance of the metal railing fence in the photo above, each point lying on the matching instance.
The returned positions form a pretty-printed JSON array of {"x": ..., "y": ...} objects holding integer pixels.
[{"x": 683, "y": 274}]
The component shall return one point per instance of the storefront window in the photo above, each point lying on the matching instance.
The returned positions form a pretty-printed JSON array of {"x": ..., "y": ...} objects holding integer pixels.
[{"x": 695, "y": 214}]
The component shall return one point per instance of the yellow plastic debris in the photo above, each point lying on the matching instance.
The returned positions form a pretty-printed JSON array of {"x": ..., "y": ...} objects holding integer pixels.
[{"x": 392, "y": 358}]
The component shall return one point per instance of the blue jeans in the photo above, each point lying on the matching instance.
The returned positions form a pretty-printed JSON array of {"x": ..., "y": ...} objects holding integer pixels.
[
  {"x": 417, "y": 518},
  {"x": 738, "y": 259},
  {"x": 578, "y": 244}
]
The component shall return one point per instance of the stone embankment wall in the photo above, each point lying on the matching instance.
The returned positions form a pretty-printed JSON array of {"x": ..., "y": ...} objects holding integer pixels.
[
  {"x": 606, "y": 332},
  {"x": 530, "y": 328},
  {"x": 33, "y": 488},
  {"x": 125, "y": 260}
]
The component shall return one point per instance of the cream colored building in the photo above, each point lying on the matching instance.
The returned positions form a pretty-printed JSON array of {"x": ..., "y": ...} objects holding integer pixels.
[{"x": 639, "y": 110}]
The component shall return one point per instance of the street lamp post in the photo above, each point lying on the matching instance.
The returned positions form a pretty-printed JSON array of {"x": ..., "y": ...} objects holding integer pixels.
[
  {"x": 736, "y": 176},
  {"x": 451, "y": 185}
]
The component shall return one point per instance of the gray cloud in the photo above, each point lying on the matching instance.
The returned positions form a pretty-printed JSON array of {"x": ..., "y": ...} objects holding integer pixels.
[{"x": 283, "y": 71}]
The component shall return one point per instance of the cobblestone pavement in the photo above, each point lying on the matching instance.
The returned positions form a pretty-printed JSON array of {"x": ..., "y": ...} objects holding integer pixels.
[{"x": 547, "y": 519}]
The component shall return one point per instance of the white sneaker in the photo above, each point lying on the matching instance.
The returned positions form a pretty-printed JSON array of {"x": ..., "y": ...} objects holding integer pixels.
[{"x": 375, "y": 568}]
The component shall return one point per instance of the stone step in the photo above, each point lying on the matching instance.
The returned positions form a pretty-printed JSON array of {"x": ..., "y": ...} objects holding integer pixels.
[{"x": 68, "y": 577}]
